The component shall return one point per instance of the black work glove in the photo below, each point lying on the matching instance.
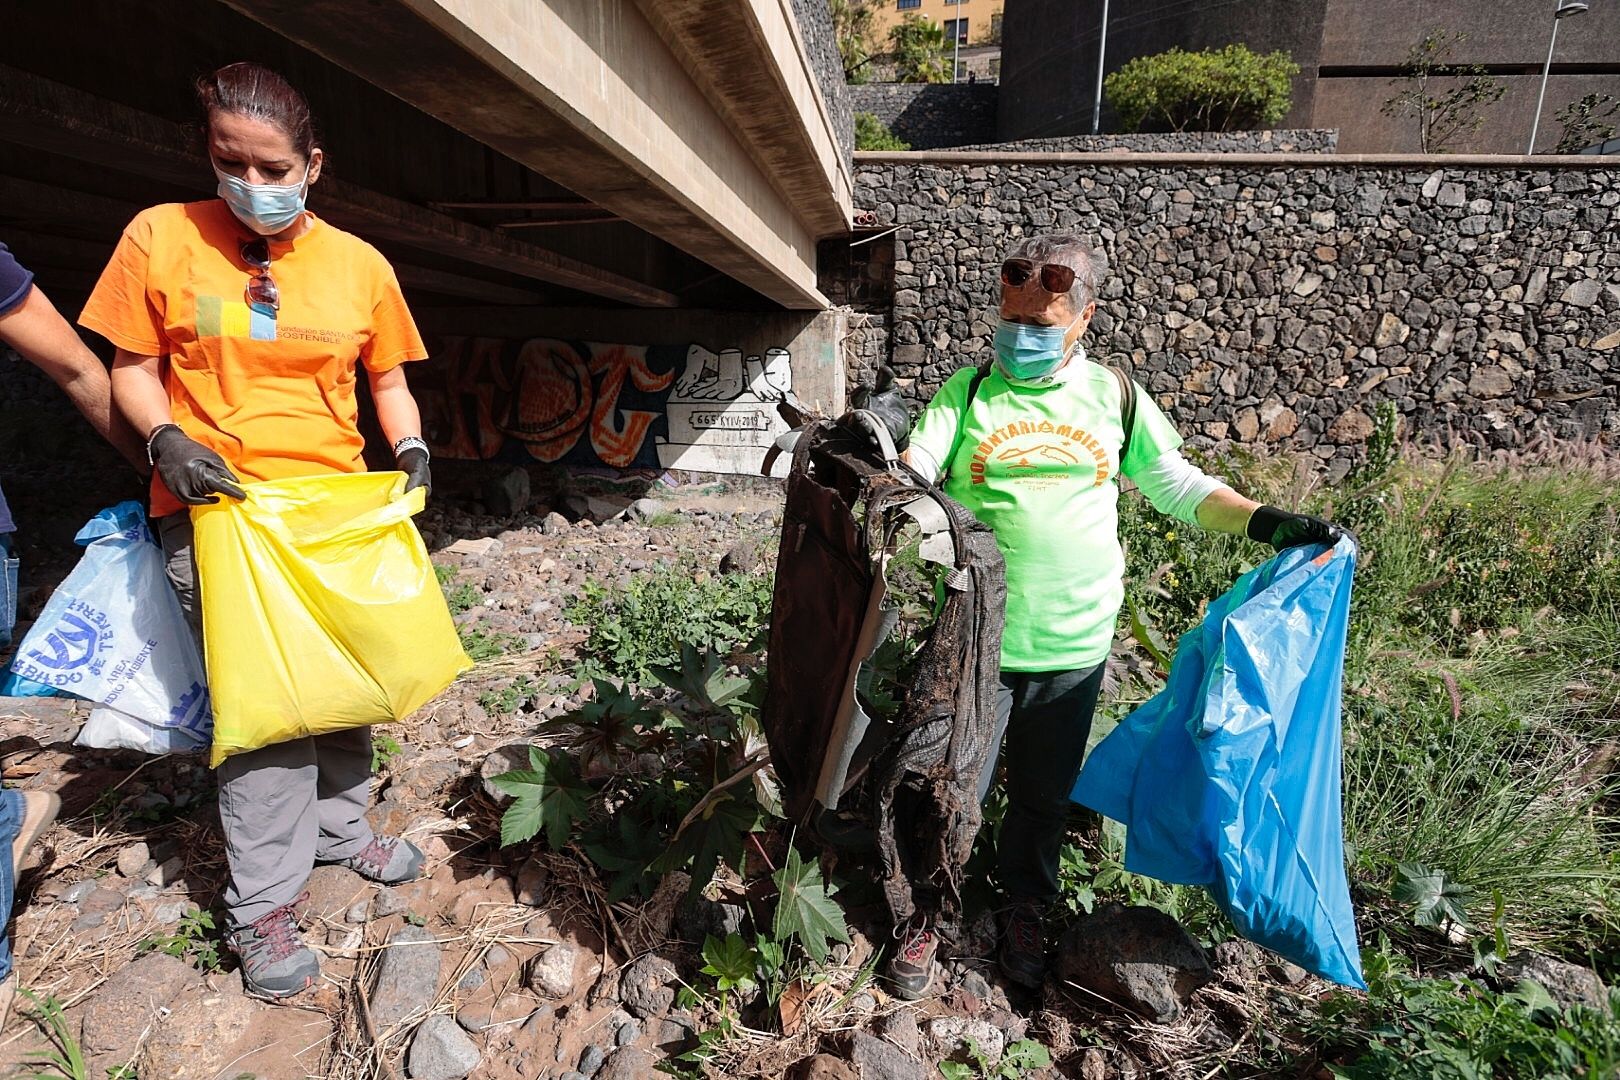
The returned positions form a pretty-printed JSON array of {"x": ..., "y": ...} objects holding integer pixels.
[
  {"x": 413, "y": 462},
  {"x": 193, "y": 473},
  {"x": 1282, "y": 529},
  {"x": 883, "y": 400}
]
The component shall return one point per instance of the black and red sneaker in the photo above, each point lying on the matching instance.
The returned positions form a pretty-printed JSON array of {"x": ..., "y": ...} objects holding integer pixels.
[
  {"x": 1023, "y": 944},
  {"x": 910, "y": 971}
]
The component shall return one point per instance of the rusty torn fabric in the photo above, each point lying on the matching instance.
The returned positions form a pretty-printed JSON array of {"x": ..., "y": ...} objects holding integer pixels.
[{"x": 848, "y": 501}]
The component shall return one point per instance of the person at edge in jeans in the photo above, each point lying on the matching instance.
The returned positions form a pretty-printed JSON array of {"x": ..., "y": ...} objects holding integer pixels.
[
  {"x": 241, "y": 323},
  {"x": 1035, "y": 455},
  {"x": 31, "y": 325}
]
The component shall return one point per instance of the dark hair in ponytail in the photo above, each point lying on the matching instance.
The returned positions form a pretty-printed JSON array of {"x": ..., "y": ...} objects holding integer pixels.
[{"x": 249, "y": 89}]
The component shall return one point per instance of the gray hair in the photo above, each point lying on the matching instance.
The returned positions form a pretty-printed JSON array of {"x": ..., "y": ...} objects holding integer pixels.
[{"x": 1066, "y": 249}]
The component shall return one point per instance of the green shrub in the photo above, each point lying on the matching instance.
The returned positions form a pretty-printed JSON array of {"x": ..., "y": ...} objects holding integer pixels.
[
  {"x": 642, "y": 624},
  {"x": 917, "y": 46},
  {"x": 873, "y": 134},
  {"x": 1229, "y": 89}
]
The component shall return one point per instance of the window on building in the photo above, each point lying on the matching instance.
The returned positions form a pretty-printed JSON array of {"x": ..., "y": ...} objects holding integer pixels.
[
  {"x": 957, "y": 28},
  {"x": 904, "y": 4},
  {"x": 953, "y": 3}
]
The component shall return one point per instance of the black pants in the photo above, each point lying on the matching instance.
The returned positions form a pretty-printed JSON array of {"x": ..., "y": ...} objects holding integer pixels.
[{"x": 1042, "y": 722}]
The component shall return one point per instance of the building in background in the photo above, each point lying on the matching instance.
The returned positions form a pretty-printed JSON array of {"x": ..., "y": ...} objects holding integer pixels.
[
  {"x": 1349, "y": 51},
  {"x": 975, "y": 26}
]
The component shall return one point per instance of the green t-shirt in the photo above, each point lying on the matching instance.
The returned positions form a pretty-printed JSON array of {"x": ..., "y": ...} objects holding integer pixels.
[{"x": 1039, "y": 464}]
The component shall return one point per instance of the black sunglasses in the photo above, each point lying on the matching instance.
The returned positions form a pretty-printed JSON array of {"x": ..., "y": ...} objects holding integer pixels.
[
  {"x": 262, "y": 294},
  {"x": 1055, "y": 277}
]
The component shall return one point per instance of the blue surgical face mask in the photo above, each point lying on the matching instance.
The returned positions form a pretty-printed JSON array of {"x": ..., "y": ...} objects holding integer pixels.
[
  {"x": 265, "y": 208},
  {"x": 1030, "y": 352}
]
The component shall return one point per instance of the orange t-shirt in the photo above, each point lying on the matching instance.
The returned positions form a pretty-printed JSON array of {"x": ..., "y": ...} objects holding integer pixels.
[{"x": 274, "y": 396}]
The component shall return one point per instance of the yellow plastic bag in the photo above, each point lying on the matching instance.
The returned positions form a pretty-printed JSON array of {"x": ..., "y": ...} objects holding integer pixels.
[{"x": 321, "y": 610}]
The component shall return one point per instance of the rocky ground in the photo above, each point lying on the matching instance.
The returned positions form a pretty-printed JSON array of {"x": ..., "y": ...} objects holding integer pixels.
[{"x": 511, "y": 963}]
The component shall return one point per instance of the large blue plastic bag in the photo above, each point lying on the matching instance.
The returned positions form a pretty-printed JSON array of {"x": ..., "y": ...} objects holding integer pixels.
[
  {"x": 1229, "y": 777},
  {"x": 113, "y": 633}
]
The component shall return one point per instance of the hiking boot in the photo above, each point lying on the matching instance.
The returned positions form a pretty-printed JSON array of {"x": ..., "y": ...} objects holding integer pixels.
[
  {"x": 1023, "y": 944},
  {"x": 275, "y": 961},
  {"x": 390, "y": 860},
  {"x": 38, "y": 811},
  {"x": 911, "y": 969}
]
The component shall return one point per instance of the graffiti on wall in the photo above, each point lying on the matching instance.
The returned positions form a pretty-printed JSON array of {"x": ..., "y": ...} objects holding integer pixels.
[{"x": 584, "y": 403}]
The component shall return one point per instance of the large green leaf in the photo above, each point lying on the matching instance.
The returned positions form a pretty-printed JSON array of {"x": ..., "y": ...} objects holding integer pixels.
[
  {"x": 1434, "y": 897},
  {"x": 718, "y": 833},
  {"x": 702, "y": 677},
  {"x": 805, "y": 908},
  {"x": 548, "y": 794},
  {"x": 732, "y": 962},
  {"x": 626, "y": 847}
]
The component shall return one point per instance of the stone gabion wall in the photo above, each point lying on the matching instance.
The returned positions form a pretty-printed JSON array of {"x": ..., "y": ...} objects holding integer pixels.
[
  {"x": 816, "y": 27},
  {"x": 930, "y": 115},
  {"x": 1284, "y": 141},
  {"x": 1277, "y": 307}
]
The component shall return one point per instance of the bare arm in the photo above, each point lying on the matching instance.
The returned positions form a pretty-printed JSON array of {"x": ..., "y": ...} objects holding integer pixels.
[
  {"x": 137, "y": 389},
  {"x": 1224, "y": 510},
  {"x": 396, "y": 408},
  {"x": 36, "y": 330}
]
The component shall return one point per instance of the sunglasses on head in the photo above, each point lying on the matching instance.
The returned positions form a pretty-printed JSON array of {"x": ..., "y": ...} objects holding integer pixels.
[
  {"x": 262, "y": 294},
  {"x": 1055, "y": 277}
]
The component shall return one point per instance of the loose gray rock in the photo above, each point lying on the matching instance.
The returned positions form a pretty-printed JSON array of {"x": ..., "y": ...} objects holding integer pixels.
[
  {"x": 132, "y": 860},
  {"x": 700, "y": 917},
  {"x": 171, "y": 911},
  {"x": 629, "y": 1063},
  {"x": 167, "y": 872},
  {"x": 76, "y": 892},
  {"x": 646, "y": 986},
  {"x": 953, "y": 1033},
  {"x": 441, "y": 1051},
  {"x": 407, "y": 976},
  {"x": 552, "y": 972},
  {"x": 591, "y": 1059},
  {"x": 900, "y": 1028},
  {"x": 1569, "y": 984},
  {"x": 553, "y": 524},
  {"x": 507, "y": 759},
  {"x": 646, "y": 508},
  {"x": 1137, "y": 956},
  {"x": 877, "y": 1059},
  {"x": 627, "y": 1033},
  {"x": 389, "y": 902}
]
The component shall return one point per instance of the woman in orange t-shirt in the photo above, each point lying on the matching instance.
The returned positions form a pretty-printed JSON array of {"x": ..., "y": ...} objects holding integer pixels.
[{"x": 241, "y": 324}]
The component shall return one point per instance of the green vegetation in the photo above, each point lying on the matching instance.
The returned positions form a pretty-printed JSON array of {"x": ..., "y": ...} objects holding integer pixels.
[
  {"x": 918, "y": 48},
  {"x": 853, "y": 30},
  {"x": 195, "y": 940},
  {"x": 1022, "y": 1058},
  {"x": 873, "y": 134},
  {"x": 644, "y": 623},
  {"x": 1448, "y": 101},
  {"x": 64, "y": 1057},
  {"x": 482, "y": 643},
  {"x": 384, "y": 748},
  {"x": 509, "y": 698},
  {"x": 1227, "y": 89},
  {"x": 1587, "y": 122}
]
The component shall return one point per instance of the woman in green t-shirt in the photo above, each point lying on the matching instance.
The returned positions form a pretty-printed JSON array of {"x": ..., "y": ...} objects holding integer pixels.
[{"x": 1034, "y": 446}]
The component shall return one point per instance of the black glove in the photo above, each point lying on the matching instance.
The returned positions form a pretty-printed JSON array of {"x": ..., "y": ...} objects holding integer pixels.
[
  {"x": 193, "y": 473},
  {"x": 885, "y": 402},
  {"x": 413, "y": 462},
  {"x": 1282, "y": 529}
]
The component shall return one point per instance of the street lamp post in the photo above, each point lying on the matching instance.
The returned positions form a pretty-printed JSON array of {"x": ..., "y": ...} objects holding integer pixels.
[
  {"x": 1565, "y": 9},
  {"x": 1102, "y": 49}
]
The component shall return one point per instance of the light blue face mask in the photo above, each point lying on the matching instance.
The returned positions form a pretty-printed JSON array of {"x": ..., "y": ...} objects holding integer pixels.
[
  {"x": 1030, "y": 352},
  {"x": 265, "y": 208}
]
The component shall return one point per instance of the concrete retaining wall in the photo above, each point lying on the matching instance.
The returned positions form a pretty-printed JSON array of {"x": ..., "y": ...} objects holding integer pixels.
[{"x": 1275, "y": 302}]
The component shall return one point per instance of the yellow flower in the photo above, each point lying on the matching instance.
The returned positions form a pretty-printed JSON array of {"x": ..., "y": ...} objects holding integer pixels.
[{"x": 1171, "y": 535}]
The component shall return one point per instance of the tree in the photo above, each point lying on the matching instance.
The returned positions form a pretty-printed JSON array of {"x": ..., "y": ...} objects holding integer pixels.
[
  {"x": 1228, "y": 89},
  {"x": 1448, "y": 111},
  {"x": 873, "y": 134},
  {"x": 852, "y": 29},
  {"x": 918, "y": 48},
  {"x": 1586, "y": 123}
]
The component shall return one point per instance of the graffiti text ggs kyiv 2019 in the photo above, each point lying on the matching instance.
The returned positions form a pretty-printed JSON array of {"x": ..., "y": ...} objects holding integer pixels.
[{"x": 624, "y": 406}]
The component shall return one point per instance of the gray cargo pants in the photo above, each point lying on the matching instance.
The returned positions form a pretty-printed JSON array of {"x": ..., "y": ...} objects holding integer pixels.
[{"x": 284, "y": 806}]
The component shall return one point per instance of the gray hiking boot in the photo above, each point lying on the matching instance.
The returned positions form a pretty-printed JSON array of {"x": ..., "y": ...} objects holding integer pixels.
[
  {"x": 910, "y": 970},
  {"x": 275, "y": 961},
  {"x": 391, "y": 860}
]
